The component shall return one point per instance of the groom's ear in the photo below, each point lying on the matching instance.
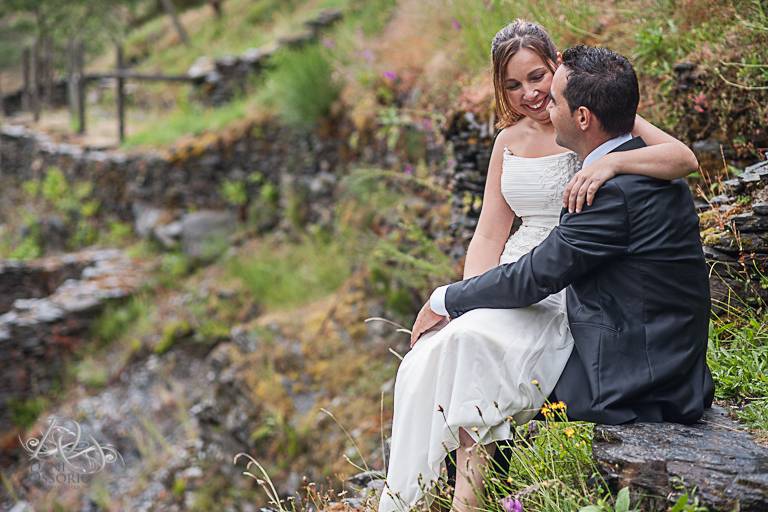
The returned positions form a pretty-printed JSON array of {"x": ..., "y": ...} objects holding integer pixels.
[{"x": 583, "y": 117}]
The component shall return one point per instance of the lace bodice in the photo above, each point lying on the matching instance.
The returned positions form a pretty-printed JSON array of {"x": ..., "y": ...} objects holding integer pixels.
[{"x": 533, "y": 188}]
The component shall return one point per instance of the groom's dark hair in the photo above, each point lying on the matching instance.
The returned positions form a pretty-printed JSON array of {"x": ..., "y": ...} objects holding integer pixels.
[{"x": 605, "y": 83}]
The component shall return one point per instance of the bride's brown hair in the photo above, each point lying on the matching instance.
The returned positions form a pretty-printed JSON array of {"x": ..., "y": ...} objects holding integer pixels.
[{"x": 506, "y": 43}]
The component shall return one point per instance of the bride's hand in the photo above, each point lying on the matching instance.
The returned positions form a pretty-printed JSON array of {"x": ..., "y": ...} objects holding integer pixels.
[
  {"x": 585, "y": 183},
  {"x": 426, "y": 320}
]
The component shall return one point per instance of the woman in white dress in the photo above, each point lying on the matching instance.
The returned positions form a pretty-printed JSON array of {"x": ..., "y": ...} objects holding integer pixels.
[{"x": 463, "y": 379}]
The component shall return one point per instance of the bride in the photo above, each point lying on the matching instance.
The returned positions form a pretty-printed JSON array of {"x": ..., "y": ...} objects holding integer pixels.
[{"x": 465, "y": 379}]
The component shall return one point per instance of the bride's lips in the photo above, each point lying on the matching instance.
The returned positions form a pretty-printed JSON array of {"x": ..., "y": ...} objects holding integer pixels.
[{"x": 538, "y": 106}]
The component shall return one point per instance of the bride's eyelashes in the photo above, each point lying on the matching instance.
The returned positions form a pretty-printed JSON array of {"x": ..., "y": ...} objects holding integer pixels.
[{"x": 516, "y": 85}]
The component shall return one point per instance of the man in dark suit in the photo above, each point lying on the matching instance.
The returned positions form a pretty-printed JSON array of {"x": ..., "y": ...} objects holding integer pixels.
[{"x": 637, "y": 287}]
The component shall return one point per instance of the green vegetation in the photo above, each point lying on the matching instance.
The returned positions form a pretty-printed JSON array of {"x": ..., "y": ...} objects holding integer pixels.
[
  {"x": 290, "y": 275},
  {"x": 301, "y": 86},
  {"x": 738, "y": 358},
  {"x": 25, "y": 412},
  {"x": 187, "y": 119}
]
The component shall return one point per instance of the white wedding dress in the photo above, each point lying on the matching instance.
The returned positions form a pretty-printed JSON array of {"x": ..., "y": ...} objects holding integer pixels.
[{"x": 486, "y": 359}]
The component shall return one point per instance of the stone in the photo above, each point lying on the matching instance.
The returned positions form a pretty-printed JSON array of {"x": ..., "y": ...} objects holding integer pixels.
[
  {"x": 760, "y": 208},
  {"x": 733, "y": 186},
  {"x": 750, "y": 223},
  {"x": 169, "y": 235},
  {"x": 202, "y": 232},
  {"x": 201, "y": 68},
  {"x": 715, "y": 455}
]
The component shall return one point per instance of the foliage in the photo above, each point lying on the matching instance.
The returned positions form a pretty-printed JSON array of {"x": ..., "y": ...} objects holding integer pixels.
[
  {"x": 119, "y": 318},
  {"x": 25, "y": 412},
  {"x": 738, "y": 358},
  {"x": 477, "y": 24},
  {"x": 289, "y": 275},
  {"x": 301, "y": 85},
  {"x": 187, "y": 119}
]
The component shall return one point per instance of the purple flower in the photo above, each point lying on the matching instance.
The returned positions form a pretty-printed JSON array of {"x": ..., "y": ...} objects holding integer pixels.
[
  {"x": 408, "y": 169},
  {"x": 390, "y": 75},
  {"x": 328, "y": 42},
  {"x": 426, "y": 125},
  {"x": 510, "y": 504},
  {"x": 367, "y": 55},
  {"x": 455, "y": 23}
]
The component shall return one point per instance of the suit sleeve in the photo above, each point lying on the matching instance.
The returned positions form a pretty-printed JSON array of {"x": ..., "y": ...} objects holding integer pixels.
[{"x": 574, "y": 248}]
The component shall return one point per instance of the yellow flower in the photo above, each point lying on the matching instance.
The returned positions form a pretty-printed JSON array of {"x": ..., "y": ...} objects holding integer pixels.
[
  {"x": 509, "y": 480},
  {"x": 569, "y": 432},
  {"x": 535, "y": 382}
]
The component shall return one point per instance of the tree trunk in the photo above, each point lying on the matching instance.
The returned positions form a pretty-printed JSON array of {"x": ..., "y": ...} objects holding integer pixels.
[
  {"x": 216, "y": 6},
  {"x": 170, "y": 10}
]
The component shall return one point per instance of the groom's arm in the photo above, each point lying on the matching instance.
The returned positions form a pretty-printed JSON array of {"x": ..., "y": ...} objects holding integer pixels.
[{"x": 577, "y": 246}]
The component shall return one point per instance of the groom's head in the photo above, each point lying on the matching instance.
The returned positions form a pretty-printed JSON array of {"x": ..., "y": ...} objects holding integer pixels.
[{"x": 594, "y": 97}]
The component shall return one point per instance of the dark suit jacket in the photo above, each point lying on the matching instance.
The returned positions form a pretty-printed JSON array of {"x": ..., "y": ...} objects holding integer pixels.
[{"x": 638, "y": 301}]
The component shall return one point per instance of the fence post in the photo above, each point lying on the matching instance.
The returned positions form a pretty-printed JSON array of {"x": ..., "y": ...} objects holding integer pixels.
[
  {"x": 120, "y": 95},
  {"x": 25, "y": 98},
  {"x": 34, "y": 77}
]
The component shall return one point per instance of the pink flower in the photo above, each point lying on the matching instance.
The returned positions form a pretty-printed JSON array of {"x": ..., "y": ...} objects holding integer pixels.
[
  {"x": 510, "y": 504},
  {"x": 390, "y": 75},
  {"x": 328, "y": 42},
  {"x": 455, "y": 23},
  {"x": 408, "y": 169}
]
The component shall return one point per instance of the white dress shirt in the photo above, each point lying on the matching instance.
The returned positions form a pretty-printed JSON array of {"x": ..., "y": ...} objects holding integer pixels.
[{"x": 437, "y": 299}]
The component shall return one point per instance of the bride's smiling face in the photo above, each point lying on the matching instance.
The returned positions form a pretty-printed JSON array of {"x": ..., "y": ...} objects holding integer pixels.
[{"x": 527, "y": 83}]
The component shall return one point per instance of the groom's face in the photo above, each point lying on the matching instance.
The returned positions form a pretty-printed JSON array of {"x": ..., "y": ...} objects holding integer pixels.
[{"x": 566, "y": 129}]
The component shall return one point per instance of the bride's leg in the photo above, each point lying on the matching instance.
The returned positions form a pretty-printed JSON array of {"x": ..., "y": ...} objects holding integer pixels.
[{"x": 469, "y": 473}]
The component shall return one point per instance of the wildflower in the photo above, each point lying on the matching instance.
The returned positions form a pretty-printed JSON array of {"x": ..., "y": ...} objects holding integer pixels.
[
  {"x": 328, "y": 43},
  {"x": 367, "y": 56},
  {"x": 535, "y": 382},
  {"x": 474, "y": 429},
  {"x": 455, "y": 24},
  {"x": 390, "y": 75},
  {"x": 510, "y": 504},
  {"x": 547, "y": 413},
  {"x": 408, "y": 169},
  {"x": 509, "y": 480},
  {"x": 569, "y": 432}
]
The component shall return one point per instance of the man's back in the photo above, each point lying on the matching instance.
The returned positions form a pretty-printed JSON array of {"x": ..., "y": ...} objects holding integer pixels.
[{"x": 640, "y": 321}]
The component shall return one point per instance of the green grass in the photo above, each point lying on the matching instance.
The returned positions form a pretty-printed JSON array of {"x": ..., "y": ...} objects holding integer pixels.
[
  {"x": 188, "y": 119},
  {"x": 286, "y": 275},
  {"x": 301, "y": 85},
  {"x": 738, "y": 358},
  {"x": 566, "y": 21}
]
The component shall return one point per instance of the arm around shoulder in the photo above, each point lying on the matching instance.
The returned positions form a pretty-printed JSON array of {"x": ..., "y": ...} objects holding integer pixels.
[{"x": 574, "y": 248}]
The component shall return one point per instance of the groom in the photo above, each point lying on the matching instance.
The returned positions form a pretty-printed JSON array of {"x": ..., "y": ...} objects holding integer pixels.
[{"x": 637, "y": 287}]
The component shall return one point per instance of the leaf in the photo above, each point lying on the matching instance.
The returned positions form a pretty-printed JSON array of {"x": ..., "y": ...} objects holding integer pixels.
[
  {"x": 622, "y": 500},
  {"x": 591, "y": 508}
]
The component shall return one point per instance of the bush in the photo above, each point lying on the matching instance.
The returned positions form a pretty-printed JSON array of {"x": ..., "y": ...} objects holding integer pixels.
[{"x": 301, "y": 85}]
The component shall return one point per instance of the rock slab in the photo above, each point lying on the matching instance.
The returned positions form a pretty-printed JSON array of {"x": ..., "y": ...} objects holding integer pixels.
[{"x": 715, "y": 455}]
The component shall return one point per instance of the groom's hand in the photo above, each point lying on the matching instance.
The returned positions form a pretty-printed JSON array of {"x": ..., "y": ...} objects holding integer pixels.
[{"x": 426, "y": 320}]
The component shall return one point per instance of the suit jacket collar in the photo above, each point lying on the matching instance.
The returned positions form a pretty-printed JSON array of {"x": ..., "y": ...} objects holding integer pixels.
[{"x": 634, "y": 143}]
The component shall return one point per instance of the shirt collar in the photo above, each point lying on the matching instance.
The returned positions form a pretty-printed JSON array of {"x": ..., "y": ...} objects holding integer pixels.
[{"x": 605, "y": 148}]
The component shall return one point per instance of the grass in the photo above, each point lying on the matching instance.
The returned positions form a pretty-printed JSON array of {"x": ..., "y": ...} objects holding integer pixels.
[
  {"x": 738, "y": 358},
  {"x": 188, "y": 119},
  {"x": 301, "y": 85},
  {"x": 290, "y": 275}
]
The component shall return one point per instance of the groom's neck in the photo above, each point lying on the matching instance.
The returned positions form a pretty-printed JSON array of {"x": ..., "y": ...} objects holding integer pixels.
[{"x": 590, "y": 142}]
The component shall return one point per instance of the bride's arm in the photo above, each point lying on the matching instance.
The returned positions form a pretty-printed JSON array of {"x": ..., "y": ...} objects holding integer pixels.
[
  {"x": 665, "y": 158},
  {"x": 495, "y": 221}
]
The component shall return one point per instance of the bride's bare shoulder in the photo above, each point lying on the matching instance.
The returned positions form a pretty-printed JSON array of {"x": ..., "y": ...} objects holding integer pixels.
[{"x": 510, "y": 137}]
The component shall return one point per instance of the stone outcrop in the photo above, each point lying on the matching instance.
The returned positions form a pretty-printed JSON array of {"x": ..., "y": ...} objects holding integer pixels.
[
  {"x": 220, "y": 80},
  {"x": 735, "y": 236},
  {"x": 715, "y": 455},
  {"x": 40, "y": 332}
]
